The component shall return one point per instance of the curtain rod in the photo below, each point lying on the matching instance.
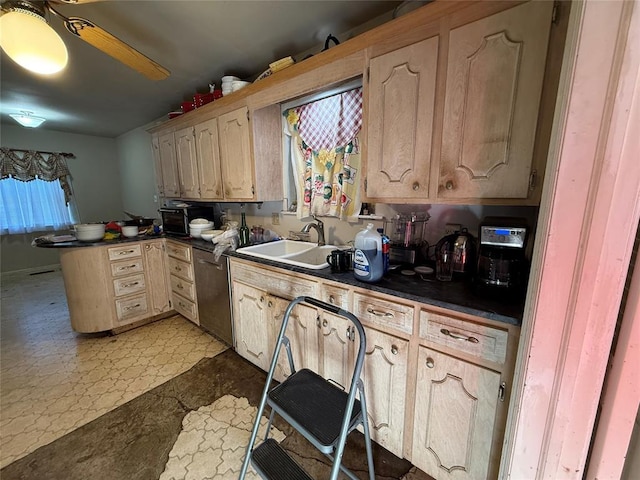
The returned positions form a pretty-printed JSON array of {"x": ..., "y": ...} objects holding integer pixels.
[{"x": 64, "y": 154}]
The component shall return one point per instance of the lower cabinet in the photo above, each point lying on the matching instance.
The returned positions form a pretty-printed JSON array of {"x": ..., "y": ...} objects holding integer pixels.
[
  {"x": 182, "y": 280},
  {"x": 251, "y": 324},
  {"x": 454, "y": 396},
  {"x": 157, "y": 282},
  {"x": 455, "y": 411}
]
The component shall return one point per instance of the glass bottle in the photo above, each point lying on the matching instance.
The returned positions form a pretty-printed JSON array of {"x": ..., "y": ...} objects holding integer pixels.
[{"x": 243, "y": 232}]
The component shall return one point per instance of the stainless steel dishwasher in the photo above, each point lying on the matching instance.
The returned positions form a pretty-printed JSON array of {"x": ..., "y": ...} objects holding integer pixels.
[{"x": 212, "y": 289}]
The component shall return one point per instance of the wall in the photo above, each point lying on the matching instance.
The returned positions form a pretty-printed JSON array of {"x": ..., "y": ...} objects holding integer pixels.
[
  {"x": 135, "y": 158},
  {"x": 96, "y": 186}
]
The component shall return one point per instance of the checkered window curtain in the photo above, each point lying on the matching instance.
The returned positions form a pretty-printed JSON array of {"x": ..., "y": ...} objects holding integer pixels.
[{"x": 326, "y": 154}]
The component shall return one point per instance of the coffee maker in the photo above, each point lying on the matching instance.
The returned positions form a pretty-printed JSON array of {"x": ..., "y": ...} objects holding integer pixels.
[{"x": 502, "y": 263}]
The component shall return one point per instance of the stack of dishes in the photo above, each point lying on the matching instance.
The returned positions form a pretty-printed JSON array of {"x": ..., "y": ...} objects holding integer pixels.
[
  {"x": 198, "y": 225},
  {"x": 238, "y": 84},
  {"x": 89, "y": 232},
  {"x": 227, "y": 84}
]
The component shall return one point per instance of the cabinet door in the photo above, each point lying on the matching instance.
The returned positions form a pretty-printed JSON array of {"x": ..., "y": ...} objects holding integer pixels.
[
  {"x": 157, "y": 164},
  {"x": 207, "y": 150},
  {"x": 385, "y": 376},
  {"x": 494, "y": 82},
  {"x": 400, "y": 120},
  {"x": 235, "y": 155},
  {"x": 157, "y": 284},
  {"x": 454, "y": 416},
  {"x": 336, "y": 347},
  {"x": 302, "y": 332},
  {"x": 250, "y": 317},
  {"x": 167, "y": 152},
  {"x": 187, "y": 163}
]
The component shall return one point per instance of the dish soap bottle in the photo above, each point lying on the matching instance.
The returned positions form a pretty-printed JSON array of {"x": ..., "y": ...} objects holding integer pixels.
[
  {"x": 243, "y": 232},
  {"x": 368, "y": 263}
]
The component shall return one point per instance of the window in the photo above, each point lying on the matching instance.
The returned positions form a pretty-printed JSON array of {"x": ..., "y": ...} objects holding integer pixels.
[{"x": 33, "y": 206}]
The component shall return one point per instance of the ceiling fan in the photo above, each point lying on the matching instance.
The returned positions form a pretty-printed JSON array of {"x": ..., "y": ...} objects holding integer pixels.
[{"x": 27, "y": 10}]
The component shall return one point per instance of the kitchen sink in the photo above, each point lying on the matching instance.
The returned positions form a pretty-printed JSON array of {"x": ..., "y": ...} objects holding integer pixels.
[{"x": 292, "y": 252}]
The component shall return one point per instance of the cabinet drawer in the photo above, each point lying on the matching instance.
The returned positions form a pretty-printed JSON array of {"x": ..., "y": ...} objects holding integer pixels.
[
  {"x": 335, "y": 296},
  {"x": 478, "y": 340},
  {"x": 183, "y": 287},
  {"x": 185, "y": 307},
  {"x": 176, "y": 250},
  {"x": 181, "y": 269},
  {"x": 125, "y": 268},
  {"x": 131, "y": 307},
  {"x": 126, "y": 251},
  {"x": 281, "y": 285},
  {"x": 384, "y": 313},
  {"x": 129, "y": 285}
]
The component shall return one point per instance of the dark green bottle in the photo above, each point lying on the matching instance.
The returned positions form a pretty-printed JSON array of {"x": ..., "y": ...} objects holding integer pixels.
[{"x": 244, "y": 232}]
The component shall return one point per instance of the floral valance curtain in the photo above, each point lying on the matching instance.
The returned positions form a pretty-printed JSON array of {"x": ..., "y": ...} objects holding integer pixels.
[
  {"x": 326, "y": 154},
  {"x": 28, "y": 165}
]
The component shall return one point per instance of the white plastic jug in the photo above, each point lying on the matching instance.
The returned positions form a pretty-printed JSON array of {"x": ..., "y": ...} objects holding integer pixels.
[{"x": 368, "y": 262}]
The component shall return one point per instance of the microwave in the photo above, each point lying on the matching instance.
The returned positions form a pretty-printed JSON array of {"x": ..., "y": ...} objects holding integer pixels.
[{"x": 175, "y": 220}]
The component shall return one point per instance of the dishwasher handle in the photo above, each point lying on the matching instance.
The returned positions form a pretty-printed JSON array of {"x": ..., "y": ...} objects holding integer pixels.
[{"x": 205, "y": 261}]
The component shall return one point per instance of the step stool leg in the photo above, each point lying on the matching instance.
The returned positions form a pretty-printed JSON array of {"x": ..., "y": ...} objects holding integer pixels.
[{"x": 365, "y": 427}]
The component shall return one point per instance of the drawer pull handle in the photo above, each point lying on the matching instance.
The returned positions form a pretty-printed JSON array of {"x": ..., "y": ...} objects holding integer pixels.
[
  {"x": 129, "y": 285},
  {"x": 349, "y": 333},
  {"x": 394, "y": 350},
  {"x": 458, "y": 336},
  {"x": 430, "y": 362},
  {"x": 178, "y": 269},
  {"x": 132, "y": 307},
  {"x": 129, "y": 266},
  {"x": 179, "y": 286},
  {"x": 261, "y": 299},
  {"x": 270, "y": 304},
  {"x": 126, "y": 252},
  {"x": 379, "y": 313}
]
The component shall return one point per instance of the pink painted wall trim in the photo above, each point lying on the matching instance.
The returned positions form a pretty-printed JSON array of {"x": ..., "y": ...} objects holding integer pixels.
[{"x": 588, "y": 220}]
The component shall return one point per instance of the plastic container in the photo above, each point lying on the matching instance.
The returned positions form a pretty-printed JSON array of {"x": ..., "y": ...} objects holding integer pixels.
[
  {"x": 368, "y": 261},
  {"x": 385, "y": 249}
]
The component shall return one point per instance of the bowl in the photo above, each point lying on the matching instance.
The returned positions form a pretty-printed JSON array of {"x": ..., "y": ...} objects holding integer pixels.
[
  {"x": 130, "y": 231},
  {"x": 210, "y": 234},
  {"x": 196, "y": 230},
  {"x": 89, "y": 232},
  {"x": 196, "y": 222},
  {"x": 237, "y": 85}
]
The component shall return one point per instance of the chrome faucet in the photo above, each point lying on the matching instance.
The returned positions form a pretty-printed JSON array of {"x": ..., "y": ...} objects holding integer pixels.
[{"x": 319, "y": 226}]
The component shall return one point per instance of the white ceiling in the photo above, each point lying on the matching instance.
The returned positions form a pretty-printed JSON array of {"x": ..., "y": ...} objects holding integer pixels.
[{"x": 198, "y": 41}]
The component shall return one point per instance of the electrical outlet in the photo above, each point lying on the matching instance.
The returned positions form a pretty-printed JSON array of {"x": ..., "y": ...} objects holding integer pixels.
[
  {"x": 450, "y": 228},
  {"x": 275, "y": 219}
]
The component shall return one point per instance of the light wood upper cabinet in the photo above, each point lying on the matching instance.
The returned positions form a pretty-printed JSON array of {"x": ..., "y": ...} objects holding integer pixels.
[
  {"x": 235, "y": 155},
  {"x": 169, "y": 166},
  {"x": 187, "y": 163},
  {"x": 208, "y": 155},
  {"x": 401, "y": 96},
  {"x": 157, "y": 164},
  {"x": 494, "y": 81},
  {"x": 455, "y": 410}
]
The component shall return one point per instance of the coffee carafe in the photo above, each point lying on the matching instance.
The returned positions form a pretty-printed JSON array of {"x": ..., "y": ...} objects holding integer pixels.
[{"x": 463, "y": 247}]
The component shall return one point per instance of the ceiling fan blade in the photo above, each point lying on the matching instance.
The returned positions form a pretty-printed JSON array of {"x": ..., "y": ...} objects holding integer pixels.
[{"x": 113, "y": 46}]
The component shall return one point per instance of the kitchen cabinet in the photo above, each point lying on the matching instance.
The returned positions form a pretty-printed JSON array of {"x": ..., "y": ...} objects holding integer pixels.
[
  {"x": 454, "y": 416},
  {"x": 187, "y": 163},
  {"x": 495, "y": 72},
  {"x": 251, "y": 320},
  {"x": 166, "y": 154},
  {"x": 111, "y": 287},
  {"x": 235, "y": 155},
  {"x": 182, "y": 280},
  {"x": 401, "y": 98},
  {"x": 157, "y": 164},
  {"x": 157, "y": 279}
]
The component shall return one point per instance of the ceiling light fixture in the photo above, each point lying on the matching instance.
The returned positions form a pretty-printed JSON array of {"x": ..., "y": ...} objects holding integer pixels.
[
  {"x": 26, "y": 119},
  {"x": 27, "y": 39}
]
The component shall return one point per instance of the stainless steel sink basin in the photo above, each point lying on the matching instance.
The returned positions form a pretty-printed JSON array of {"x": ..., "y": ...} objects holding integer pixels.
[{"x": 291, "y": 252}]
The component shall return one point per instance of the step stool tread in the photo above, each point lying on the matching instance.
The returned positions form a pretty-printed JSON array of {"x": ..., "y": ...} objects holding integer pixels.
[
  {"x": 315, "y": 404},
  {"x": 272, "y": 462}
]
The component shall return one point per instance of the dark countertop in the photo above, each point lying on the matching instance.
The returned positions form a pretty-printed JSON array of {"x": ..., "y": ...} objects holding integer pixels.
[{"x": 459, "y": 296}]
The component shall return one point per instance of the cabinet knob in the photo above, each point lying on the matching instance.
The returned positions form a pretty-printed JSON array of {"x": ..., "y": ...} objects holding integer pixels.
[
  {"x": 325, "y": 323},
  {"x": 394, "y": 350},
  {"x": 449, "y": 185},
  {"x": 318, "y": 321},
  {"x": 270, "y": 304},
  {"x": 416, "y": 186},
  {"x": 261, "y": 299},
  {"x": 430, "y": 362},
  {"x": 332, "y": 299},
  {"x": 217, "y": 193}
]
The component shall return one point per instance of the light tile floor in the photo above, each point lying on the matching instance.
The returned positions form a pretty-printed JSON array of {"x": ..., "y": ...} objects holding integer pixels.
[{"x": 53, "y": 380}]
